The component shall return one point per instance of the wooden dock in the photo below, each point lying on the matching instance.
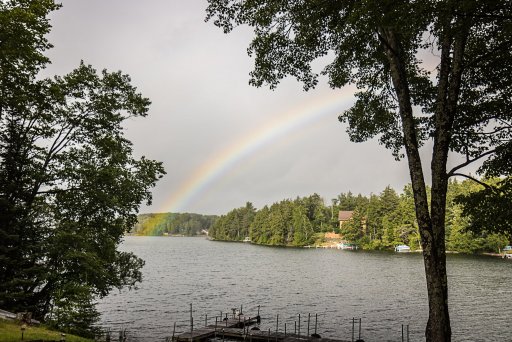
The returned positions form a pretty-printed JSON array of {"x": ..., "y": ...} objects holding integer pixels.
[
  {"x": 242, "y": 329},
  {"x": 222, "y": 333}
]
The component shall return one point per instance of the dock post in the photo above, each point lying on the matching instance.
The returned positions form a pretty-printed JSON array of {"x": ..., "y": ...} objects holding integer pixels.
[
  {"x": 226, "y": 319},
  {"x": 295, "y": 329},
  {"x": 268, "y": 336},
  {"x": 173, "y": 331},
  {"x": 402, "y": 333},
  {"x": 215, "y": 330},
  {"x": 316, "y": 321},
  {"x": 353, "y": 327},
  {"x": 205, "y": 320},
  {"x": 277, "y": 325},
  {"x": 299, "y": 325},
  {"x": 407, "y": 332},
  {"x": 359, "y": 329},
  {"x": 241, "y": 307},
  {"x": 309, "y": 318},
  {"x": 285, "y": 330},
  {"x": 191, "y": 322}
]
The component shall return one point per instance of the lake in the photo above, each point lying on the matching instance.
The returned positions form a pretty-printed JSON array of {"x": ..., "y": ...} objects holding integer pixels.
[{"x": 384, "y": 289}]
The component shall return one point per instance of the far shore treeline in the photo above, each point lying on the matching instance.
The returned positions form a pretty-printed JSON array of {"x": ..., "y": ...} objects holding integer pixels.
[
  {"x": 379, "y": 221},
  {"x": 186, "y": 224}
]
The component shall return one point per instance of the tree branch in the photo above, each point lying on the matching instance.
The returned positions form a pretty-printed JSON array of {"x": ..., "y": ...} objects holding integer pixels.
[
  {"x": 56, "y": 191},
  {"x": 485, "y": 185},
  {"x": 469, "y": 161}
]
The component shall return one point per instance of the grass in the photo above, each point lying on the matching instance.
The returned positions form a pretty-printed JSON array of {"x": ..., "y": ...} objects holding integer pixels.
[{"x": 10, "y": 331}]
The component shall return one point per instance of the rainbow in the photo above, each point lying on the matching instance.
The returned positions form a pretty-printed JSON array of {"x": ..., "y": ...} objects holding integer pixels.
[{"x": 294, "y": 119}]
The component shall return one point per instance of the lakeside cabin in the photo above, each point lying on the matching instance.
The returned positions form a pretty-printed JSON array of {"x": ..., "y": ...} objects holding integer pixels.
[{"x": 344, "y": 216}]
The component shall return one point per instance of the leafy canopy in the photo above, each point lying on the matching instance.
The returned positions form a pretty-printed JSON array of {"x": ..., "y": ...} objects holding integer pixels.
[
  {"x": 70, "y": 187},
  {"x": 349, "y": 37}
]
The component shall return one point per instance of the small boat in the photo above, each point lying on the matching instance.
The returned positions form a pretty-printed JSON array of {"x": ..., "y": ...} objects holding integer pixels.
[
  {"x": 402, "y": 249},
  {"x": 347, "y": 246},
  {"x": 506, "y": 252},
  {"x": 247, "y": 239}
]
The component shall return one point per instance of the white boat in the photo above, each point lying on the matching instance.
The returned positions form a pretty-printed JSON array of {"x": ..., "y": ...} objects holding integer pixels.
[
  {"x": 507, "y": 252},
  {"x": 347, "y": 246},
  {"x": 247, "y": 239},
  {"x": 402, "y": 248}
]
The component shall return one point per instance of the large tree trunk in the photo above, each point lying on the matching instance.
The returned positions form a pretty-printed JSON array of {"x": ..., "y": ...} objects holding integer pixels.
[{"x": 431, "y": 226}]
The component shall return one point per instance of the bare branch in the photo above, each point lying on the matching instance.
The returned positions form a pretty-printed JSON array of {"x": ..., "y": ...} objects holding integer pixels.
[
  {"x": 56, "y": 191},
  {"x": 485, "y": 185},
  {"x": 497, "y": 130},
  {"x": 469, "y": 161}
]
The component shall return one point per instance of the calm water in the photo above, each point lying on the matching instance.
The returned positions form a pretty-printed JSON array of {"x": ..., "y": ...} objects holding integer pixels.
[{"x": 385, "y": 290}]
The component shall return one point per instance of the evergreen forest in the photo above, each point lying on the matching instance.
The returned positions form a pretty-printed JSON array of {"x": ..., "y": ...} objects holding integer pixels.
[
  {"x": 379, "y": 221},
  {"x": 186, "y": 224}
]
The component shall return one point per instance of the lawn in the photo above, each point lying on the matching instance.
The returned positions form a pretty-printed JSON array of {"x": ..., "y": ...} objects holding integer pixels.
[{"x": 10, "y": 331}]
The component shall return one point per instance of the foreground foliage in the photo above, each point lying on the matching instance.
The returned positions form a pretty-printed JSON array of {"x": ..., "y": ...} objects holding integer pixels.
[{"x": 69, "y": 185}]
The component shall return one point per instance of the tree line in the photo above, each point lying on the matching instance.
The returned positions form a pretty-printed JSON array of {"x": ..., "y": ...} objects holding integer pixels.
[
  {"x": 187, "y": 224},
  {"x": 379, "y": 221}
]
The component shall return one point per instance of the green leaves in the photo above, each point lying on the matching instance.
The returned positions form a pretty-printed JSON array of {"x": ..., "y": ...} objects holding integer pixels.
[
  {"x": 69, "y": 186},
  {"x": 488, "y": 209},
  {"x": 372, "y": 116},
  {"x": 22, "y": 38}
]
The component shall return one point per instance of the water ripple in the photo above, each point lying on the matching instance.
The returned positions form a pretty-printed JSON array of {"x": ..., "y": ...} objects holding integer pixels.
[{"x": 385, "y": 290}]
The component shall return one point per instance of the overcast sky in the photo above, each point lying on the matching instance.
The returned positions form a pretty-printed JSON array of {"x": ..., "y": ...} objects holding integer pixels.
[{"x": 222, "y": 142}]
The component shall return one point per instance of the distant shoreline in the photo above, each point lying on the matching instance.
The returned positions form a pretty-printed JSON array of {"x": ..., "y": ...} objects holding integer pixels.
[{"x": 416, "y": 251}]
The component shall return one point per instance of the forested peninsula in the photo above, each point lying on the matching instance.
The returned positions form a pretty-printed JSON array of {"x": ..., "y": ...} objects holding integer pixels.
[{"x": 379, "y": 221}]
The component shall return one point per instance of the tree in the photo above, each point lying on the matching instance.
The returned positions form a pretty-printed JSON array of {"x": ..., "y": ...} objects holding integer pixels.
[
  {"x": 235, "y": 225},
  {"x": 259, "y": 227},
  {"x": 301, "y": 227},
  {"x": 489, "y": 208},
  {"x": 69, "y": 185},
  {"x": 74, "y": 311},
  {"x": 462, "y": 106}
]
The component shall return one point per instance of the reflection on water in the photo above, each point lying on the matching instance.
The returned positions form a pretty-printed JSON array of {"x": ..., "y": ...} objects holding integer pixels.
[{"x": 385, "y": 290}]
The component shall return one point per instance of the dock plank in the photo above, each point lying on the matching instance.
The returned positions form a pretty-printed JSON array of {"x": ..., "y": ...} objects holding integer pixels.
[{"x": 200, "y": 334}]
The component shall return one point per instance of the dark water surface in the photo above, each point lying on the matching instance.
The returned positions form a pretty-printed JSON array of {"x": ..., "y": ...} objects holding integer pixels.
[{"x": 386, "y": 290}]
